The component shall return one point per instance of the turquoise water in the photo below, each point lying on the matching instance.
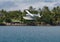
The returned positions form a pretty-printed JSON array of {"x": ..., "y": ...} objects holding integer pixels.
[{"x": 29, "y": 34}]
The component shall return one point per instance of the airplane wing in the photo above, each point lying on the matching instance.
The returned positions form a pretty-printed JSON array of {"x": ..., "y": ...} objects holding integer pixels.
[{"x": 29, "y": 13}]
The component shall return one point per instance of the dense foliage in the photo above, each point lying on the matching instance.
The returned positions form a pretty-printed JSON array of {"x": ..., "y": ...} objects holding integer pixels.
[{"x": 50, "y": 16}]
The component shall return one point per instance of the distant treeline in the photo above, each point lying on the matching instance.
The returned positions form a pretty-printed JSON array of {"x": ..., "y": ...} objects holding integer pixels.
[{"x": 51, "y": 17}]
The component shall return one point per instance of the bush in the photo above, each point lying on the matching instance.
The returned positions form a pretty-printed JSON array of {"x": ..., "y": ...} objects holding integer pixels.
[{"x": 8, "y": 20}]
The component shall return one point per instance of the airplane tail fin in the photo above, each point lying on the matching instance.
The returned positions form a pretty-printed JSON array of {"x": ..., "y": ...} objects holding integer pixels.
[{"x": 39, "y": 15}]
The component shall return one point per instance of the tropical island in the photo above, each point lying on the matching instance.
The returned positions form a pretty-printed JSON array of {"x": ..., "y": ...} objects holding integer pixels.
[{"x": 51, "y": 17}]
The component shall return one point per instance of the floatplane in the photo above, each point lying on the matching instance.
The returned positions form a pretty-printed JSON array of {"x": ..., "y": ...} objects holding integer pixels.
[{"x": 30, "y": 16}]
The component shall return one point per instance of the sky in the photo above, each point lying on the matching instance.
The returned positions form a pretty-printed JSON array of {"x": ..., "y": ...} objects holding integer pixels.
[{"x": 24, "y": 4}]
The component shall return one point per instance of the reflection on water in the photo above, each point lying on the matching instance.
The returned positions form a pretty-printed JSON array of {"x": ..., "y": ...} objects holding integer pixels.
[{"x": 29, "y": 34}]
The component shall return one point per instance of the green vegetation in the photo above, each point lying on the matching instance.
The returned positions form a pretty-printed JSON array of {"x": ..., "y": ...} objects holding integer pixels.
[{"x": 51, "y": 17}]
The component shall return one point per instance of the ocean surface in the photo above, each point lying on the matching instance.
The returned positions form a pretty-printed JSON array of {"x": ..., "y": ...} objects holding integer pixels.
[{"x": 29, "y": 33}]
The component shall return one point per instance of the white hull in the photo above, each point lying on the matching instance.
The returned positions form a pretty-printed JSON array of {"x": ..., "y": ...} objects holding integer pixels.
[{"x": 28, "y": 18}]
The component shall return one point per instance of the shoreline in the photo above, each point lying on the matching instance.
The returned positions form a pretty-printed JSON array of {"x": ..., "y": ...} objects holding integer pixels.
[{"x": 24, "y": 24}]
